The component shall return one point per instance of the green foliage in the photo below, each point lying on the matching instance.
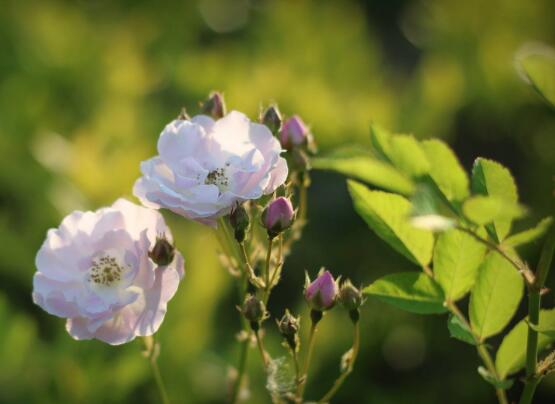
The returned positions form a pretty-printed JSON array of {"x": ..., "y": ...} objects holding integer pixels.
[
  {"x": 457, "y": 257},
  {"x": 446, "y": 171},
  {"x": 537, "y": 65},
  {"x": 369, "y": 170},
  {"x": 511, "y": 355},
  {"x": 495, "y": 296},
  {"x": 488, "y": 209},
  {"x": 412, "y": 291},
  {"x": 530, "y": 235},
  {"x": 491, "y": 379},
  {"x": 387, "y": 215},
  {"x": 459, "y": 330},
  {"x": 492, "y": 179}
]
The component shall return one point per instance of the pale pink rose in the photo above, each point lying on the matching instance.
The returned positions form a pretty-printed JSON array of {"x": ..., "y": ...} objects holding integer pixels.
[
  {"x": 95, "y": 271},
  {"x": 205, "y": 167}
]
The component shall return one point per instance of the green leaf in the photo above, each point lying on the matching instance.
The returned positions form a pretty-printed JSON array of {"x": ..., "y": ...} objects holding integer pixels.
[
  {"x": 369, "y": 170},
  {"x": 407, "y": 155},
  {"x": 412, "y": 291},
  {"x": 388, "y": 215},
  {"x": 488, "y": 209},
  {"x": 457, "y": 257},
  {"x": 403, "y": 151},
  {"x": 495, "y": 296},
  {"x": 530, "y": 235},
  {"x": 537, "y": 66},
  {"x": 446, "y": 171},
  {"x": 511, "y": 355},
  {"x": 491, "y": 178},
  {"x": 459, "y": 330},
  {"x": 491, "y": 379}
]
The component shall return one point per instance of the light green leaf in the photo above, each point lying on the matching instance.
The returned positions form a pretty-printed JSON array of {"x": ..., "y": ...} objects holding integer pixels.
[
  {"x": 369, "y": 170},
  {"x": 459, "y": 330},
  {"x": 379, "y": 138},
  {"x": 536, "y": 63},
  {"x": 446, "y": 171},
  {"x": 511, "y": 355},
  {"x": 457, "y": 257},
  {"x": 491, "y": 178},
  {"x": 388, "y": 215},
  {"x": 488, "y": 209},
  {"x": 491, "y": 379},
  {"x": 495, "y": 296},
  {"x": 406, "y": 154},
  {"x": 530, "y": 235},
  {"x": 403, "y": 151},
  {"x": 412, "y": 291}
]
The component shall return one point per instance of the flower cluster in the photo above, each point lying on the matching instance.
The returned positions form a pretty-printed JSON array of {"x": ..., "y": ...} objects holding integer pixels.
[{"x": 112, "y": 272}]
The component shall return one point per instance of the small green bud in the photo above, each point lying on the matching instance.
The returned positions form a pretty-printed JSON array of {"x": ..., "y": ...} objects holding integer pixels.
[
  {"x": 239, "y": 220},
  {"x": 254, "y": 311},
  {"x": 272, "y": 119},
  {"x": 289, "y": 327},
  {"x": 163, "y": 251},
  {"x": 349, "y": 296}
]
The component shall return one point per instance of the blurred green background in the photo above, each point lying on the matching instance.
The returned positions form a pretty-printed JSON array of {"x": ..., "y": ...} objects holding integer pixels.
[{"x": 85, "y": 88}]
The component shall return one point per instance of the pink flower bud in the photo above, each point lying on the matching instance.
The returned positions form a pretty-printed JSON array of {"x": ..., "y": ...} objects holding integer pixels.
[
  {"x": 293, "y": 133},
  {"x": 322, "y": 293},
  {"x": 278, "y": 216}
]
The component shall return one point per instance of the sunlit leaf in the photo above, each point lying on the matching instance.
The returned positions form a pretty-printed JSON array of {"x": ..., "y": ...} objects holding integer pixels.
[
  {"x": 369, "y": 170},
  {"x": 446, "y": 170},
  {"x": 412, "y": 291},
  {"x": 388, "y": 215},
  {"x": 403, "y": 151},
  {"x": 536, "y": 64},
  {"x": 488, "y": 209},
  {"x": 491, "y": 178},
  {"x": 495, "y": 296},
  {"x": 530, "y": 235},
  {"x": 457, "y": 257},
  {"x": 511, "y": 355}
]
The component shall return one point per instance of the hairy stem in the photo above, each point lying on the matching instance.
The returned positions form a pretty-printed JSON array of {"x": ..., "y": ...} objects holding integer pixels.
[
  {"x": 339, "y": 381},
  {"x": 267, "y": 285},
  {"x": 308, "y": 359},
  {"x": 152, "y": 355},
  {"x": 261, "y": 349}
]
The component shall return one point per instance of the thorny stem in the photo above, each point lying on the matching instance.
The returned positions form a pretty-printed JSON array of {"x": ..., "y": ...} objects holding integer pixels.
[
  {"x": 339, "y": 381},
  {"x": 534, "y": 304},
  {"x": 152, "y": 355},
  {"x": 482, "y": 350}
]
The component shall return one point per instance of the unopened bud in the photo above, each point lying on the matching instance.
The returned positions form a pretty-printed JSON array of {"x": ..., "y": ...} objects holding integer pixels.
[
  {"x": 289, "y": 328},
  {"x": 278, "y": 216},
  {"x": 214, "y": 105},
  {"x": 163, "y": 251},
  {"x": 239, "y": 220},
  {"x": 293, "y": 133},
  {"x": 349, "y": 296},
  {"x": 322, "y": 293},
  {"x": 254, "y": 311},
  {"x": 272, "y": 119}
]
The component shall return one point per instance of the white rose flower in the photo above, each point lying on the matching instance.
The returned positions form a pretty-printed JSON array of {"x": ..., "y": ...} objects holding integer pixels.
[
  {"x": 204, "y": 166},
  {"x": 95, "y": 271}
]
